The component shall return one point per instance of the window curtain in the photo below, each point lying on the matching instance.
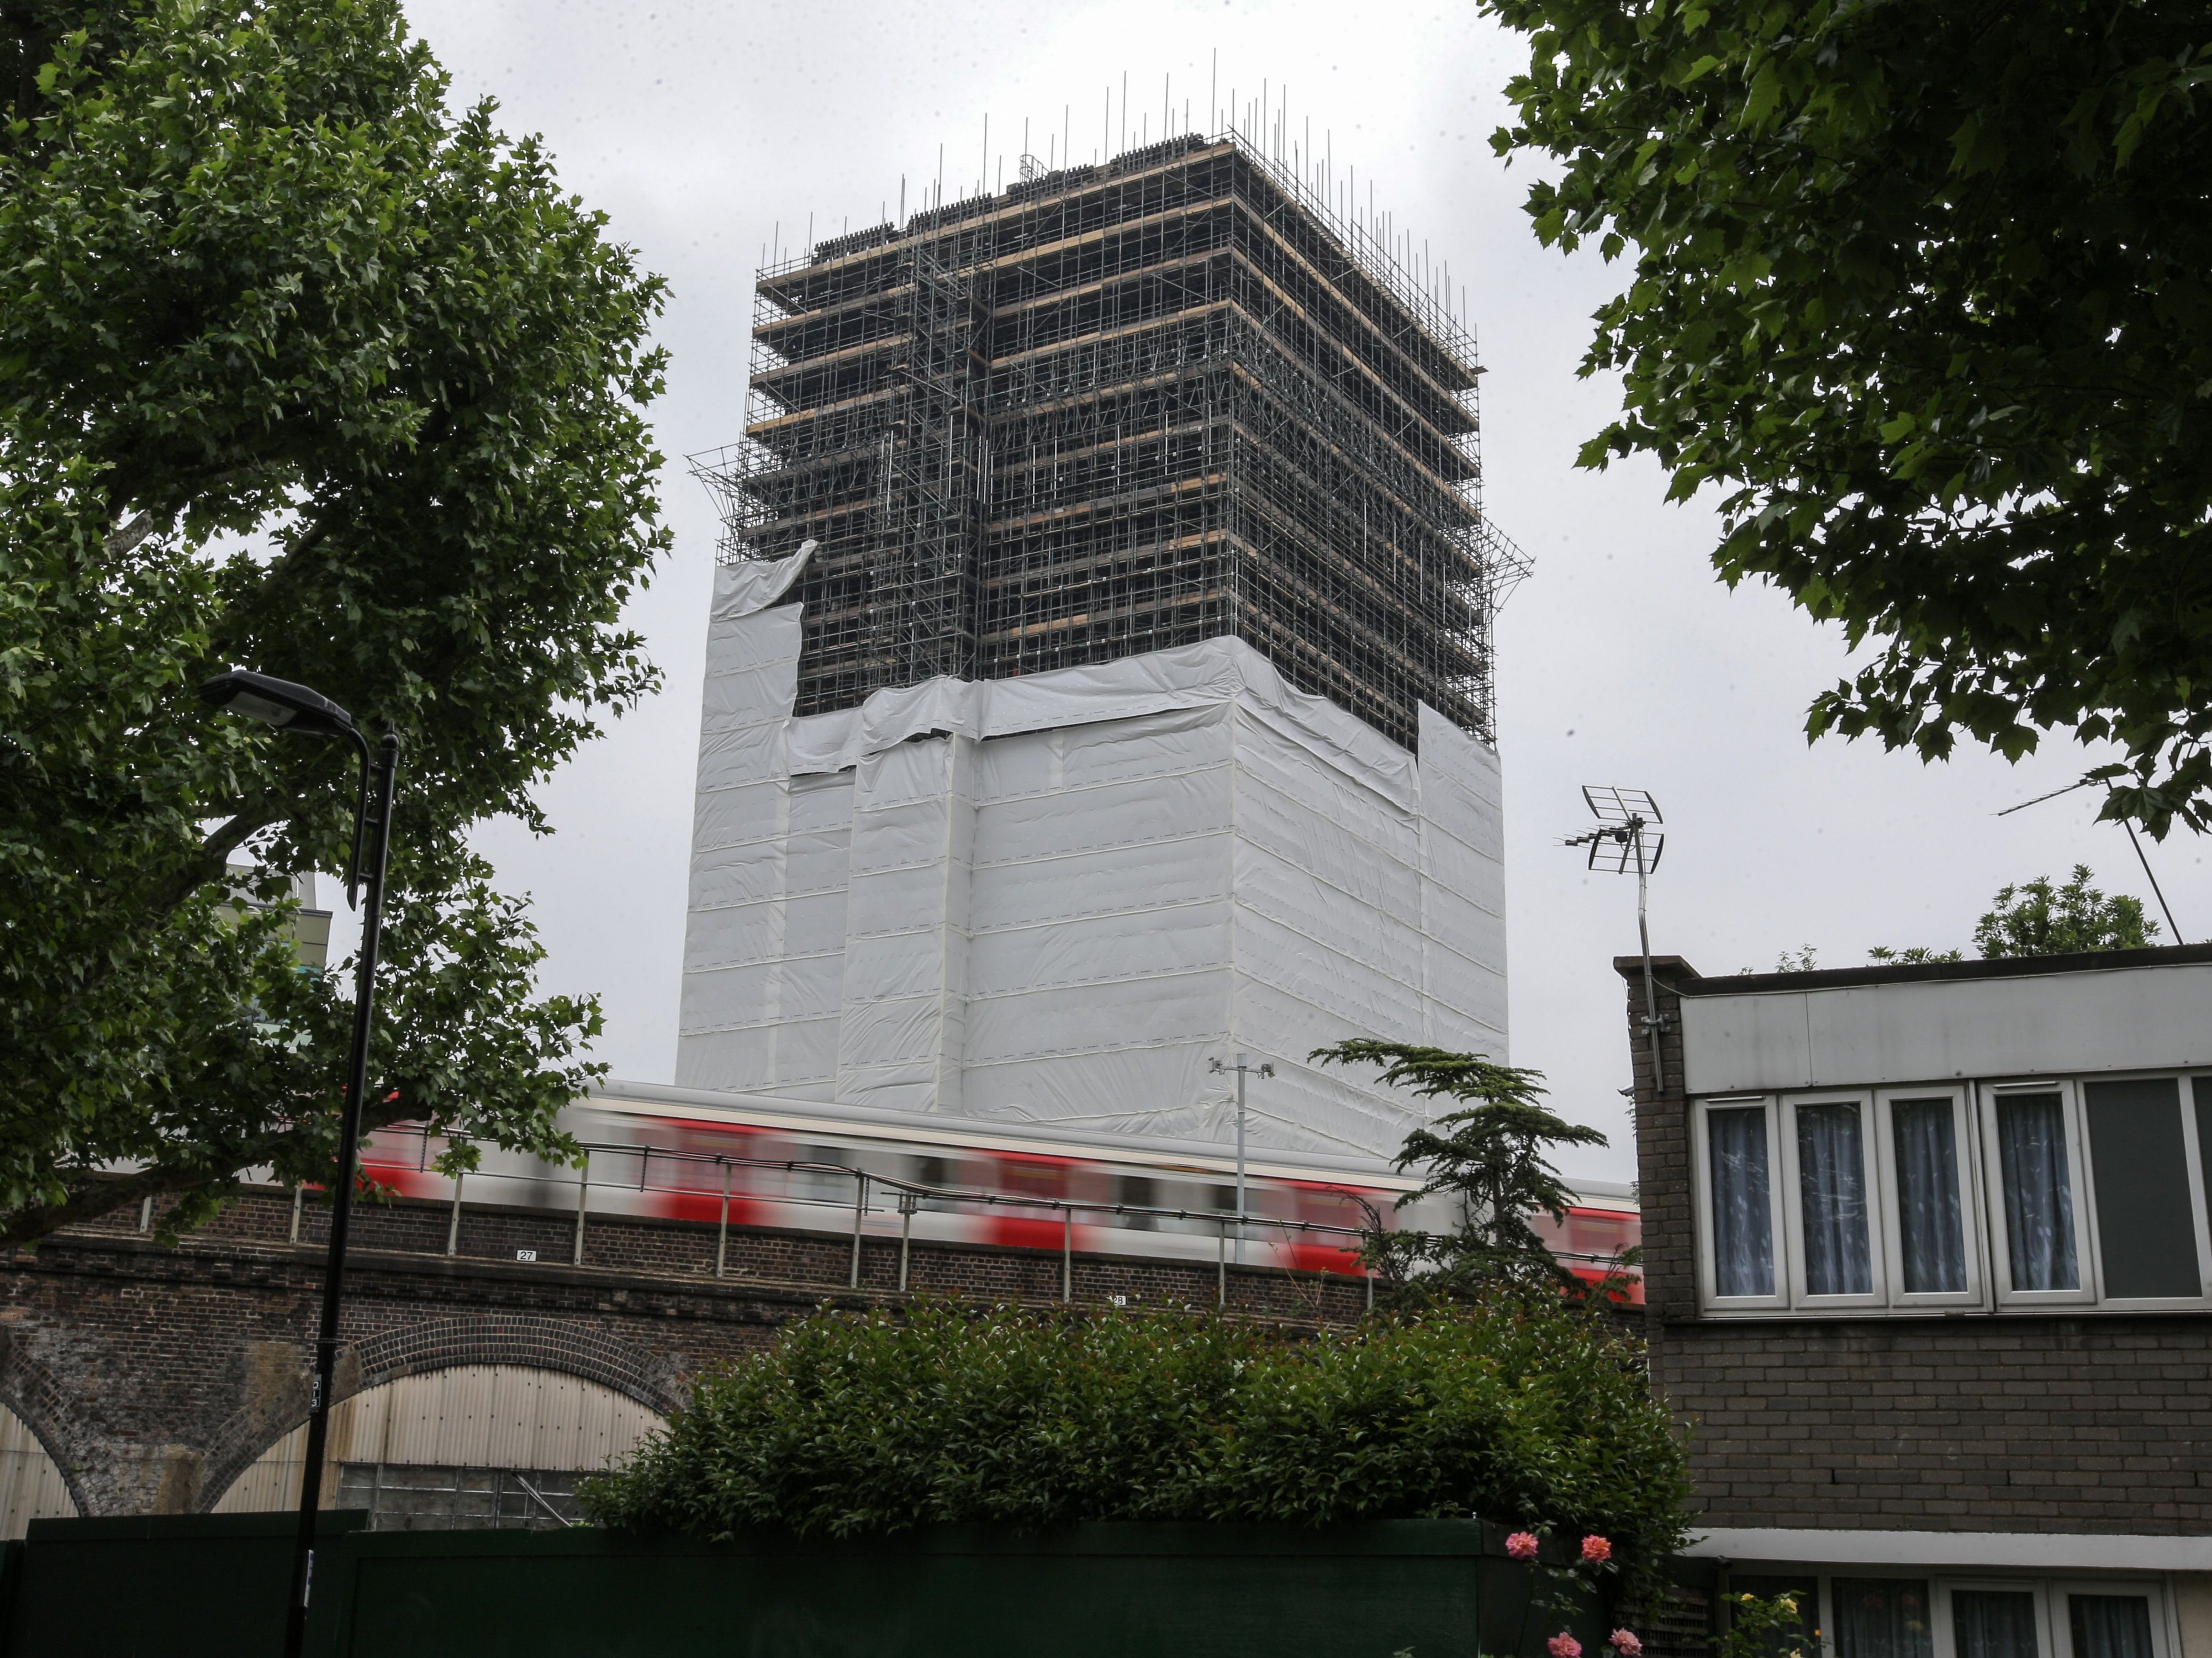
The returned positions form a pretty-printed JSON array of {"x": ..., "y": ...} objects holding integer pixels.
[
  {"x": 2110, "y": 1626},
  {"x": 1882, "y": 1618},
  {"x": 1832, "y": 1193},
  {"x": 1743, "y": 1225},
  {"x": 2039, "y": 1195},
  {"x": 1993, "y": 1623},
  {"x": 1931, "y": 1238}
]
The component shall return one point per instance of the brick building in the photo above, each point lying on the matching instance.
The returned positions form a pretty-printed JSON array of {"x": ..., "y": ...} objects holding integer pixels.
[{"x": 1929, "y": 1278}]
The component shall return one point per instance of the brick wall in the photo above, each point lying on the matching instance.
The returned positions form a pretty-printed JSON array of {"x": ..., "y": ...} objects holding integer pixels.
[
  {"x": 2005, "y": 1422},
  {"x": 1999, "y": 1424},
  {"x": 154, "y": 1375}
]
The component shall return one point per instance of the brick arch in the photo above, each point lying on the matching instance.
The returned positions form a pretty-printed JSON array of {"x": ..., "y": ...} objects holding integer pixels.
[
  {"x": 541, "y": 1344},
  {"x": 36, "y": 1395}
]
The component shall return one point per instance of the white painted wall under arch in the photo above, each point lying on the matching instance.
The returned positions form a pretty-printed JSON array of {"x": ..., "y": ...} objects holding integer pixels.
[
  {"x": 31, "y": 1486},
  {"x": 478, "y": 1416}
]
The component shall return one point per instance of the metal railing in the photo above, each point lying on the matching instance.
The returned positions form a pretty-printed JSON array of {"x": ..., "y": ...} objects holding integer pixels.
[{"x": 907, "y": 1198}]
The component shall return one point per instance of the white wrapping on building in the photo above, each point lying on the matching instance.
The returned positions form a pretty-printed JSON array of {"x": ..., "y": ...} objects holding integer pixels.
[{"x": 1052, "y": 900}]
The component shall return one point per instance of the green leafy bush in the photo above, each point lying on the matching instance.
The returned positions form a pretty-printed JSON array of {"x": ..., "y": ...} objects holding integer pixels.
[{"x": 1522, "y": 1407}]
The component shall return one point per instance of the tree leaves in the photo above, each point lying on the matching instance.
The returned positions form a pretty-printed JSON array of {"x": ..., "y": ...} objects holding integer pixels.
[
  {"x": 1927, "y": 290},
  {"x": 2037, "y": 918},
  {"x": 1490, "y": 1156},
  {"x": 303, "y": 371},
  {"x": 1514, "y": 1408}
]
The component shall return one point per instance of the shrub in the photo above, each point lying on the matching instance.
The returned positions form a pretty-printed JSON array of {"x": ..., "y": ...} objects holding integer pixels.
[{"x": 1519, "y": 1407}]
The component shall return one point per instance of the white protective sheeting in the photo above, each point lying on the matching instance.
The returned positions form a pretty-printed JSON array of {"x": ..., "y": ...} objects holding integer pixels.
[{"x": 1053, "y": 900}]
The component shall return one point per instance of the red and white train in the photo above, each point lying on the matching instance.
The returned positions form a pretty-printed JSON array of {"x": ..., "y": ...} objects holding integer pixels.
[{"x": 763, "y": 1161}]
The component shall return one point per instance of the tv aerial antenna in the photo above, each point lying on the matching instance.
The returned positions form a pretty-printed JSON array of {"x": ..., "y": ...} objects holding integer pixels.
[
  {"x": 1626, "y": 836},
  {"x": 2126, "y": 824}
]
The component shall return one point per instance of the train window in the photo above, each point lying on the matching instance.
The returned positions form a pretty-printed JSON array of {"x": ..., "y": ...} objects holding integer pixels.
[
  {"x": 1034, "y": 1180},
  {"x": 1140, "y": 1191}
]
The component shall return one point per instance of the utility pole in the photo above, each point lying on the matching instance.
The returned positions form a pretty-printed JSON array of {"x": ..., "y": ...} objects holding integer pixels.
[
  {"x": 305, "y": 712},
  {"x": 1242, "y": 1067}
]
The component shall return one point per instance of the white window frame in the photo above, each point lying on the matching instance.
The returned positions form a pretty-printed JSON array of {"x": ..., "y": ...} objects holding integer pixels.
[
  {"x": 2053, "y": 1620},
  {"x": 1831, "y": 1646},
  {"x": 1777, "y": 1231},
  {"x": 1944, "y": 1628},
  {"x": 1793, "y": 1205},
  {"x": 2085, "y": 1252},
  {"x": 1964, "y": 1128},
  {"x": 2184, "y": 1089},
  {"x": 2060, "y": 1620}
]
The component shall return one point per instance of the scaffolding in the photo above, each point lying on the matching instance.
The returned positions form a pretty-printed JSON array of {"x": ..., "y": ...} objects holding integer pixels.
[{"x": 1115, "y": 408}]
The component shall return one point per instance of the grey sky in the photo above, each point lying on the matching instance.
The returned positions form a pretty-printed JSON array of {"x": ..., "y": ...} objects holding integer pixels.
[{"x": 699, "y": 128}]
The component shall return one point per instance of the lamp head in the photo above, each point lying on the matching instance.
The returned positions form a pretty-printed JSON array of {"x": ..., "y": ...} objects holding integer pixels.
[{"x": 277, "y": 703}]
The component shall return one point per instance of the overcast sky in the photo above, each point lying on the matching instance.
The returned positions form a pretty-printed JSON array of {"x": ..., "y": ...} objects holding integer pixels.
[{"x": 703, "y": 131}]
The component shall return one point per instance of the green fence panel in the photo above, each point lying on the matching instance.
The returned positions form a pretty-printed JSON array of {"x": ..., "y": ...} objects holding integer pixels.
[
  {"x": 184, "y": 1586},
  {"x": 1097, "y": 1589}
]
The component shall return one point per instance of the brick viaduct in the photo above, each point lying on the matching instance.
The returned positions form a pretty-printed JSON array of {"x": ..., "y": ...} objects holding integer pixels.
[{"x": 154, "y": 1375}]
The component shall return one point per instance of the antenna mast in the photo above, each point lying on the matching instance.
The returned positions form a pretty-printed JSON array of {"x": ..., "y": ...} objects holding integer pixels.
[{"x": 1626, "y": 834}]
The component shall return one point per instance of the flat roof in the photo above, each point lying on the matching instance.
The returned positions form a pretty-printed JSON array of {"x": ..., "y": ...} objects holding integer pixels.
[{"x": 1681, "y": 977}]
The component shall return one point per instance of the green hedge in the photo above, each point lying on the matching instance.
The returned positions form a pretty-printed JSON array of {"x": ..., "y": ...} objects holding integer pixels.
[{"x": 1522, "y": 1409}]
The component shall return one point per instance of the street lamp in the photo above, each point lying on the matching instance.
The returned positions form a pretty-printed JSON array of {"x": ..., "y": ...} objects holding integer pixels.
[
  {"x": 280, "y": 703},
  {"x": 1241, "y": 1066}
]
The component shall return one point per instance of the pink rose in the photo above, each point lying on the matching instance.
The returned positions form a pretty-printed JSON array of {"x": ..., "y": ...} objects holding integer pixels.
[
  {"x": 1596, "y": 1550},
  {"x": 1522, "y": 1545},
  {"x": 1625, "y": 1643},
  {"x": 1564, "y": 1645}
]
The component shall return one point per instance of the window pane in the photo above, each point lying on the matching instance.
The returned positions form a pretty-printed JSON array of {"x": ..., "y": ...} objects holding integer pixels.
[
  {"x": 2145, "y": 1228},
  {"x": 2110, "y": 1626},
  {"x": 1882, "y": 1618},
  {"x": 1931, "y": 1235},
  {"x": 1744, "y": 1227},
  {"x": 1832, "y": 1196},
  {"x": 1994, "y": 1623},
  {"x": 404, "y": 1497},
  {"x": 2038, "y": 1192},
  {"x": 2201, "y": 1088}
]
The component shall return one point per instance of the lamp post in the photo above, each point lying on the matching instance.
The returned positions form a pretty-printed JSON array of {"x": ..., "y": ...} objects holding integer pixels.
[
  {"x": 288, "y": 706},
  {"x": 1242, "y": 1067}
]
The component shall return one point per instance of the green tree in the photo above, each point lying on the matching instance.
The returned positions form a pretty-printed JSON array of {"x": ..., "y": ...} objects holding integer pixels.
[
  {"x": 303, "y": 372},
  {"x": 1913, "y": 956},
  {"x": 1926, "y": 290},
  {"x": 1491, "y": 1156},
  {"x": 2036, "y": 918},
  {"x": 1515, "y": 1405}
]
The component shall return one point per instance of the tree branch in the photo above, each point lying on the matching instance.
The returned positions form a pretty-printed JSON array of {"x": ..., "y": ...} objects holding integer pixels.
[
  {"x": 104, "y": 1196},
  {"x": 207, "y": 864},
  {"x": 125, "y": 539}
]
